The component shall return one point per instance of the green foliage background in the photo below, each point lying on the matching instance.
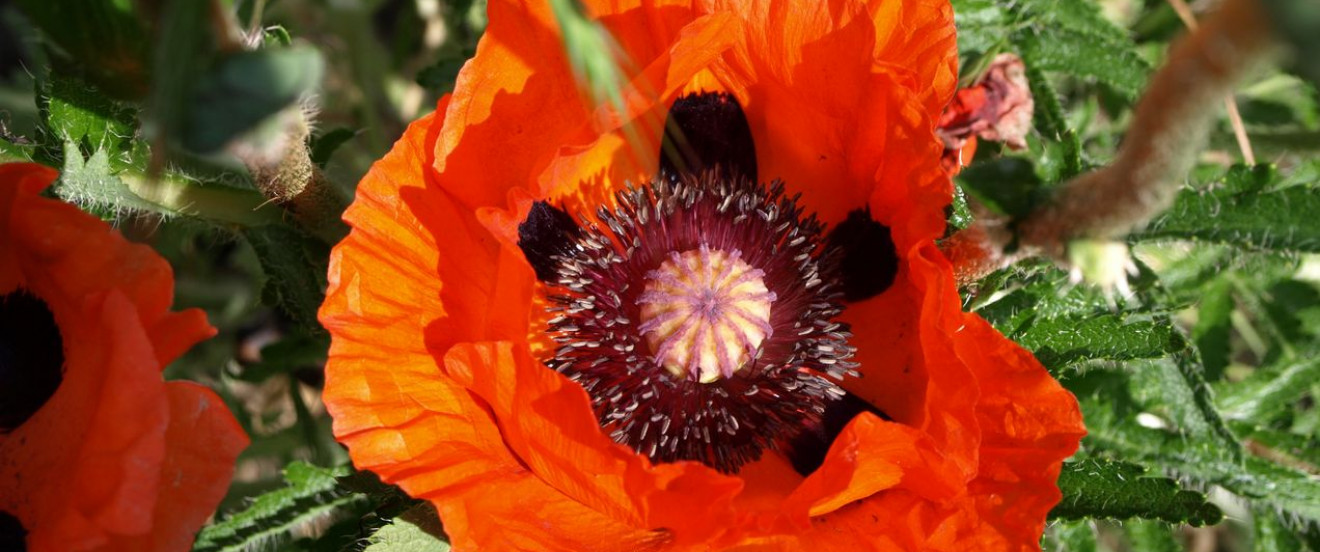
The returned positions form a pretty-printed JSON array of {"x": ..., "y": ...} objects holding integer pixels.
[{"x": 1199, "y": 390}]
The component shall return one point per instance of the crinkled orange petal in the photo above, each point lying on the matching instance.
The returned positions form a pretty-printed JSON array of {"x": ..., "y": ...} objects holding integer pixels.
[
  {"x": 196, "y": 472},
  {"x": 910, "y": 369},
  {"x": 86, "y": 466},
  {"x": 1029, "y": 424},
  {"x": 548, "y": 422},
  {"x": 872, "y": 455},
  {"x": 917, "y": 36},
  {"x": 513, "y": 103},
  {"x": 585, "y": 173},
  {"x": 405, "y": 286}
]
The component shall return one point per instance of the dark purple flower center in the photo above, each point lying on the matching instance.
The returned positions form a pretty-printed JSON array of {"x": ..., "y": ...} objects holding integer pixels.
[
  {"x": 699, "y": 310},
  {"x": 31, "y": 357},
  {"x": 13, "y": 537}
]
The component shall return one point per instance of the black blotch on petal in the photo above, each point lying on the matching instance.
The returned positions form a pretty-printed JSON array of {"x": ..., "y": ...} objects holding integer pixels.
[
  {"x": 708, "y": 130},
  {"x": 547, "y": 232},
  {"x": 31, "y": 357},
  {"x": 867, "y": 259},
  {"x": 806, "y": 451},
  {"x": 13, "y": 537}
]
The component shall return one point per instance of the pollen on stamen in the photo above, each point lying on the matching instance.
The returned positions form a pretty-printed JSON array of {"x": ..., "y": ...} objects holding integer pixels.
[{"x": 704, "y": 313}]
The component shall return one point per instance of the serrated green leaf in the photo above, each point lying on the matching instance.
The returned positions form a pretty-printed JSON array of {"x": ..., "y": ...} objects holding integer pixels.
[
  {"x": 295, "y": 267},
  {"x": 93, "y": 185},
  {"x": 417, "y": 530},
  {"x": 1287, "y": 448},
  {"x": 1072, "y": 37},
  {"x": 1096, "y": 488},
  {"x": 1051, "y": 123},
  {"x": 982, "y": 28},
  {"x": 1243, "y": 210},
  {"x": 1060, "y": 342},
  {"x": 1079, "y": 53},
  {"x": 1272, "y": 535},
  {"x": 311, "y": 493},
  {"x": 1209, "y": 458},
  {"x": 97, "y": 186},
  {"x": 78, "y": 113},
  {"x": 11, "y": 152},
  {"x": 958, "y": 213}
]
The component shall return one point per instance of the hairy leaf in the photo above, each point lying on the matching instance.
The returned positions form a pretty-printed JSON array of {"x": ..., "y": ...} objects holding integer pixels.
[
  {"x": 295, "y": 267},
  {"x": 417, "y": 530},
  {"x": 1072, "y": 37},
  {"x": 1242, "y": 209},
  {"x": 310, "y": 493},
  {"x": 1105, "y": 489},
  {"x": 1064, "y": 341}
]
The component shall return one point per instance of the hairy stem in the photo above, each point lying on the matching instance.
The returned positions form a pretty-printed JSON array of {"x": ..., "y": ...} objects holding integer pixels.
[{"x": 1169, "y": 127}]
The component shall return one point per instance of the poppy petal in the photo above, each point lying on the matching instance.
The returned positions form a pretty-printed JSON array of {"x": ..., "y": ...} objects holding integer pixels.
[
  {"x": 919, "y": 36},
  {"x": 87, "y": 465},
  {"x": 910, "y": 369},
  {"x": 196, "y": 472},
  {"x": 1029, "y": 424},
  {"x": 547, "y": 421}
]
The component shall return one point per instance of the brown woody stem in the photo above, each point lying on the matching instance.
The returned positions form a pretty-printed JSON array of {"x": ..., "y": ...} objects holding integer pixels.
[{"x": 1170, "y": 125}]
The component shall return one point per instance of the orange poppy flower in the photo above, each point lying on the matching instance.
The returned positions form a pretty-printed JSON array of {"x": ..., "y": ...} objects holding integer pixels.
[
  {"x": 714, "y": 317},
  {"x": 96, "y": 450}
]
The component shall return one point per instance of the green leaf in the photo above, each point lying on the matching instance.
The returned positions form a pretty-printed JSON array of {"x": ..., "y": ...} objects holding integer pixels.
[
  {"x": 1072, "y": 37},
  {"x": 246, "y": 88},
  {"x": 11, "y": 152},
  {"x": 310, "y": 494},
  {"x": 1070, "y": 536},
  {"x": 1152, "y": 536},
  {"x": 1207, "y": 455},
  {"x": 104, "y": 39},
  {"x": 324, "y": 145},
  {"x": 1007, "y": 185},
  {"x": 1242, "y": 209},
  {"x": 1096, "y": 488},
  {"x": 1051, "y": 123},
  {"x": 1271, "y": 390},
  {"x": 78, "y": 113},
  {"x": 982, "y": 28},
  {"x": 1211, "y": 332},
  {"x": 1060, "y": 342},
  {"x": 1272, "y": 535},
  {"x": 295, "y": 266},
  {"x": 93, "y": 185},
  {"x": 417, "y": 530}
]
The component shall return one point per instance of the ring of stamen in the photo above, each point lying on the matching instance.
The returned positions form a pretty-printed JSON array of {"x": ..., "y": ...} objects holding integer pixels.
[
  {"x": 704, "y": 313},
  {"x": 697, "y": 313}
]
